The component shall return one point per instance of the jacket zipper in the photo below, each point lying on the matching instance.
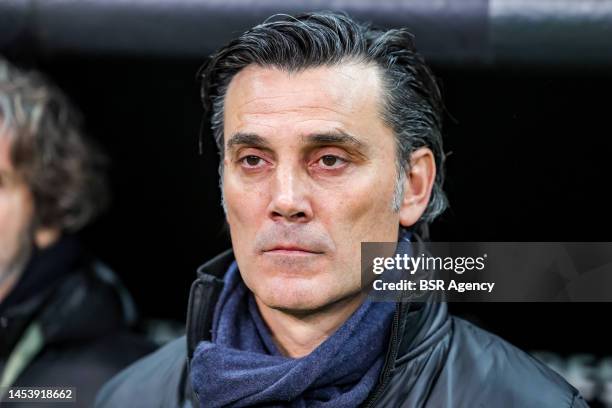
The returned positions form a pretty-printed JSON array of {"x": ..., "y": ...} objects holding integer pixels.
[{"x": 390, "y": 362}]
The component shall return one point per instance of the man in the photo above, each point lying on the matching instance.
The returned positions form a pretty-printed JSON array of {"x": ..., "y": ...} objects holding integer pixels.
[
  {"x": 63, "y": 316},
  {"x": 329, "y": 133}
]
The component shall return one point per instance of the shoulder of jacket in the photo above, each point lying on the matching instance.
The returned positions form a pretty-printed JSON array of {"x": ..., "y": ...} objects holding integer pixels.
[
  {"x": 155, "y": 380},
  {"x": 509, "y": 373}
]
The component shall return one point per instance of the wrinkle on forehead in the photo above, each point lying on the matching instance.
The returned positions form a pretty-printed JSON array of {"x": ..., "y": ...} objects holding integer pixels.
[
  {"x": 256, "y": 112},
  {"x": 342, "y": 90}
]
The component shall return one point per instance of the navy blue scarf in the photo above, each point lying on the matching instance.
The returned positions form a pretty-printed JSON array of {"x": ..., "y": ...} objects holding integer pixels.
[{"x": 242, "y": 366}]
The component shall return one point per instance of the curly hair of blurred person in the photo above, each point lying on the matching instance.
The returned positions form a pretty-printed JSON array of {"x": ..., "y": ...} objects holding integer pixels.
[{"x": 64, "y": 170}]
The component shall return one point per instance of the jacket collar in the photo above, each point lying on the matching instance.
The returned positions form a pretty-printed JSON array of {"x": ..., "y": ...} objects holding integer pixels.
[
  {"x": 203, "y": 298},
  {"x": 77, "y": 288},
  {"x": 43, "y": 274}
]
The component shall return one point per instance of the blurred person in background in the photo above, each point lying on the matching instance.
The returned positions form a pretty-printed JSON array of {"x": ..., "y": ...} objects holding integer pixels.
[
  {"x": 329, "y": 133},
  {"x": 64, "y": 316}
]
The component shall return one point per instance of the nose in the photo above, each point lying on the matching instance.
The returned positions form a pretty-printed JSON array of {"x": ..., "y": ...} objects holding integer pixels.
[{"x": 290, "y": 196}]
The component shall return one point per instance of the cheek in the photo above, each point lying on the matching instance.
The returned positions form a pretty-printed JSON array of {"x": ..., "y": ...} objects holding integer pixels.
[
  {"x": 362, "y": 210},
  {"x": 245, "y": 204},
  {"x": 15, "y": 215}
]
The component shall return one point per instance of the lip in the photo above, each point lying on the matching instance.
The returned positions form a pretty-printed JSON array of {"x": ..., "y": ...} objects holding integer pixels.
[{"x": 290, "y": 250}]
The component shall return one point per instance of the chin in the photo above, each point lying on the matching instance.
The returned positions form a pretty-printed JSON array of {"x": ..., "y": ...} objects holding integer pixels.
[
  {"x": 301, "y": 295},
  {"x": 294, "y": 294}
]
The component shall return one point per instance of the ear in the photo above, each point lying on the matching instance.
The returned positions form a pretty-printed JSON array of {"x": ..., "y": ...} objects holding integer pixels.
[
  {"x": 420, "y": 177},
  {"x": 45, "y": 236}
]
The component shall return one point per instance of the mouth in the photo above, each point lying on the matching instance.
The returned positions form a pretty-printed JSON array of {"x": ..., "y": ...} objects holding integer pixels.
[{"x": 291, "y": 250}]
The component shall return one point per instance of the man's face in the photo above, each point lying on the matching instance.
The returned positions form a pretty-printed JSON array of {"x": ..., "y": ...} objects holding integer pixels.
[
  {"x": 309, "y": 173},
  {"x": 16, "y": 212}
]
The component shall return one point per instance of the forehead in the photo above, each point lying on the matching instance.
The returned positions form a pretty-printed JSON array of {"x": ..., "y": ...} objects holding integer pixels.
[{"x": 345, "y": 97}]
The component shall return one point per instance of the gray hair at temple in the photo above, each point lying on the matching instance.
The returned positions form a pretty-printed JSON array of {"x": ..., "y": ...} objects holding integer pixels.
[
  {"x": 412, "y": 104},
  {"x": 49, "y": 152}
]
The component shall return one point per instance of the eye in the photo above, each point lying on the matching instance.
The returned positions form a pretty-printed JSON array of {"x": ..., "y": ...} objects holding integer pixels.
[
  {"x": 331, "y": 161},
  {"x": 251, "y": 161}
]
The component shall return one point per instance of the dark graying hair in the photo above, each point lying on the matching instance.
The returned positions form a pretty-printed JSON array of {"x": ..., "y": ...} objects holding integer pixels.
[
  {"x": 49, "y": 152},
  {"x": 412, "y": 104}
]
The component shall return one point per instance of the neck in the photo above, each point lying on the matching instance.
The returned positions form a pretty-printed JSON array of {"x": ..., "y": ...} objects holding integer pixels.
[{"x": 297, "y": 334}]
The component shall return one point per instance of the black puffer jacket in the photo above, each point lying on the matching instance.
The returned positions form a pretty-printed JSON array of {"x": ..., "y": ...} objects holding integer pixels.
[
  {"x": 74, "y": 315},
  {"x": 433, "y": 360}
]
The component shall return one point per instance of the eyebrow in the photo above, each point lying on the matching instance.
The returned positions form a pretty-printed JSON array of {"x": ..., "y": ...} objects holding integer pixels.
[
  {"x": 249, "y": 139},
  {"x": 336, "y": 138}
]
